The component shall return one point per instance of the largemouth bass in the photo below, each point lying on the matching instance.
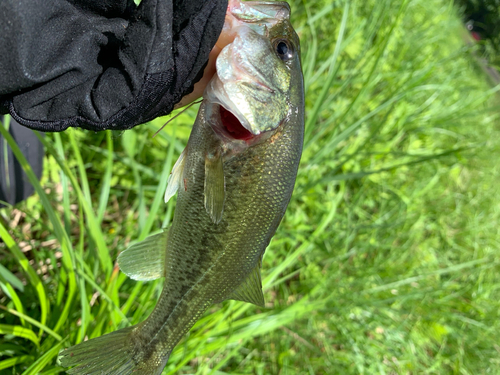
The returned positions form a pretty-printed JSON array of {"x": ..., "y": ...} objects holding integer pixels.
[{"x": 234, "y": 181}]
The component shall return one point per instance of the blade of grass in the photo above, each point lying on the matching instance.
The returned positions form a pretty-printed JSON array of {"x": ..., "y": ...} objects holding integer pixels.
[
  {"x": 67, "y": 220},
  {"x": 103, "y": 294},
  {"x": 6, "y": 125},
  {"x": 19, "y": 331},
  {"x": 106, "y": 182},
  {"x": 81, "y": 168},
  {"x": 11, "y": 279},
  {"x": 43, "y": 361},
  {"x": 130, "y": 144},
  {"x": 6, "y": 363},
  {"x": 61, "y": 234},
  {"x": 454, "y": 268},
  {"x": 320, "y": 101},
  {"x": 364, "y": 89},
  {"x": 64, "y": 183},
  {"x": 56, "y": 370},
  {"x": 30, "y": 272},
  {"x": 94, "y": 227},
  {"x": 36, "y": 323},
  {"x": 85, "y": 315},
  {"x": 11, "y": 293},
  {"x": 160, "y": 191}
]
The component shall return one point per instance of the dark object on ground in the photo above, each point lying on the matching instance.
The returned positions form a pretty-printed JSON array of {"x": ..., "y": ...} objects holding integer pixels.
[
  {"x": 482, "y": 18},
  {"x": 102, "y": 64},
  {"x": 14, "y": 184}
]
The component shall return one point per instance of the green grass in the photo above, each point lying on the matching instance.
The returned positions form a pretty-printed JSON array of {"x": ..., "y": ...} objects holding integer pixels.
[{"x": 386, "y": 261}]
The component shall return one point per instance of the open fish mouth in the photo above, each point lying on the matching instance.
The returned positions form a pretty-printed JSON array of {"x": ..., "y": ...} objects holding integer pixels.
[
  {"x": 232, "y": 127},
  {"x": 229, "y": 126},
  {"x": 239, "y": 105}
]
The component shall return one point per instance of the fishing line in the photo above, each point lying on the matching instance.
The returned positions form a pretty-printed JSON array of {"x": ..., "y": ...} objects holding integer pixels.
[{"x": 180, "y": 113}]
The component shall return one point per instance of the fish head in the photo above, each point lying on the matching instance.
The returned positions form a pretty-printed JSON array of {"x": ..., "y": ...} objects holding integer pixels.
[{"x": 251, "y": 92}]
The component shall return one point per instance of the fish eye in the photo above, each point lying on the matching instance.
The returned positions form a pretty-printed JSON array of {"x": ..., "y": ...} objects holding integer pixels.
[{"x": 284, "y": 49}]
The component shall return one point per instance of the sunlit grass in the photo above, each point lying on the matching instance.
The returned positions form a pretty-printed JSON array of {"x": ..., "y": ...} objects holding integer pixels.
[{"x": 386, "y": 261}]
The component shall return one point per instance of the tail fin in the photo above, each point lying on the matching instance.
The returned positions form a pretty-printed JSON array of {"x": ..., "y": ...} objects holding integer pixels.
[{"x": 111, "y": 354}]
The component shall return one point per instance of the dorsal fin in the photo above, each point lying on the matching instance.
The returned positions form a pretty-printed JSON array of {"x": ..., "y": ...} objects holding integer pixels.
[{"x": 145, "y": 260}]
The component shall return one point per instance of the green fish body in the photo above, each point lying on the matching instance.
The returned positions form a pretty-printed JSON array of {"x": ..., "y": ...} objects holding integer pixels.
[{"x": 234, "y": 181}]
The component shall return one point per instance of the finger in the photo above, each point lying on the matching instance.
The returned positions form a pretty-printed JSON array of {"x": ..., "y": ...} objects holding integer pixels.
[
  {"x": 199, "y": 86},
  {"x": 226, "y": 37}
]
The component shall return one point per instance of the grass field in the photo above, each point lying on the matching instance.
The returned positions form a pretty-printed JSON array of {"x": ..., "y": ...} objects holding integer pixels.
[{"x": 387, "y": 260}]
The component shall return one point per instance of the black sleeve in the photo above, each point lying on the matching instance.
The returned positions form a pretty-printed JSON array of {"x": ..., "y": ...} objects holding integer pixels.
[{"x": 102, "y": 64}]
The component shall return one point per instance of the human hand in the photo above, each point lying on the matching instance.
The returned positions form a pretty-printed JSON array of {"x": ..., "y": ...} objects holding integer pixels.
[{"x": 226, "y": 37}]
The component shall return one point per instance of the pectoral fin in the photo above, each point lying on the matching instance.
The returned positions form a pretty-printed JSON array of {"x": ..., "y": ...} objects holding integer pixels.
[
  {"x": 175, "y": 178},
  {"x": 145, "y": 260},
  {"x": 251, "y": 289},
  {"x": 214, "y": 186}
]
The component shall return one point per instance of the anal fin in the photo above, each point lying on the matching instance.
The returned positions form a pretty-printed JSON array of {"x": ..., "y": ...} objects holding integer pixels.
[
  {"x": 251, "y": 288},
  {"x": 145, "y": 260},
  {"x": 214, "y": 186},
  {"x": 175, "y": 178}
]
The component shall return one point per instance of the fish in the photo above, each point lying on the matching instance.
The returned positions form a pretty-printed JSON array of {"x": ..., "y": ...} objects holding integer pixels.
[{"x": 233, "y": 181}]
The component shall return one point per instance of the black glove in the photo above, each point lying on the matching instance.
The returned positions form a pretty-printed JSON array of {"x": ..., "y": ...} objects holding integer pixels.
[{"x": 102, "y": 64}]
